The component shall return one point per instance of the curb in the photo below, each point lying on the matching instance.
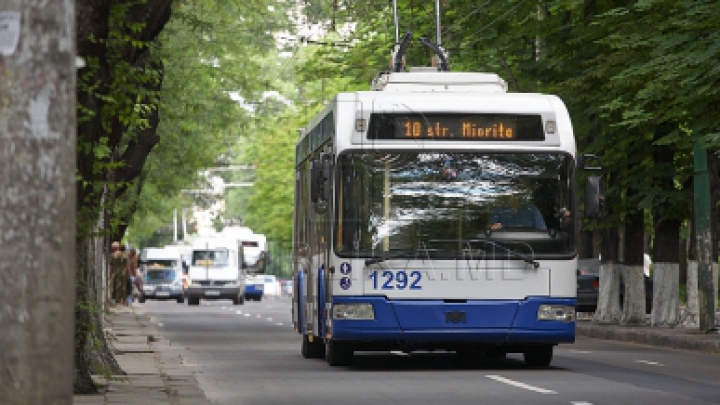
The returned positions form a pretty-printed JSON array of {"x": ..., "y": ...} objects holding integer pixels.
[{"x": 684, "y": 339}]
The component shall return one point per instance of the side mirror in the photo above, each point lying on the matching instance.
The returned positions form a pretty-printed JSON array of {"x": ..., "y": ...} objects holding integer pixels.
[
  {"x": 594, "y": 197},
  {"x": 584, "y": 162}
]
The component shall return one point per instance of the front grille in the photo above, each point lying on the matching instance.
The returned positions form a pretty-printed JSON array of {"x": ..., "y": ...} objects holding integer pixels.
[{"x": 213, "y": 283}]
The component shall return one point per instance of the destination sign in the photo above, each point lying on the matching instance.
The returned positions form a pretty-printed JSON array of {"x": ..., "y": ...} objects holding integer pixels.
[{"x": 457, "y": 127}]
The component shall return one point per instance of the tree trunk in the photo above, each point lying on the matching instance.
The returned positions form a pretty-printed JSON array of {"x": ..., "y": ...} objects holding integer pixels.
[
  {"x": 633, "y": 275},
  {"x": 608, "y": 307},
  {"x": 666, "y": 277},
  {"x": 37, "y": 203}
]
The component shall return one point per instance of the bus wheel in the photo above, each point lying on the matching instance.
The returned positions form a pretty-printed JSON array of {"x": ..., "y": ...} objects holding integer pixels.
[
  {"x": 540, "y": 356},
  {"x": 312, "y": 350},
  {"x": 338, "y": 353}
]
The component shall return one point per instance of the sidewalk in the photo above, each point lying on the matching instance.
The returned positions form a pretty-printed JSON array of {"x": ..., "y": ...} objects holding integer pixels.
[
  {"x": 155, "y": 371},
  {"x": 676, "y": 338}
]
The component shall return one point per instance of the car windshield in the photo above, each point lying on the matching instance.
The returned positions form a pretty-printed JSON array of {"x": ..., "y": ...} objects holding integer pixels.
[
  {"x": 410, "y": 204},
  {"x": 211, "y": 258},
  {"x": 161, "y": 275}
]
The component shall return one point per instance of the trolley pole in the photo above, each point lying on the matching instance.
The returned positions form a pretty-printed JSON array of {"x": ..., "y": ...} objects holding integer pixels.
[
  {"x": 701, "y": 186},
  {"x": 37, "y": 201}
]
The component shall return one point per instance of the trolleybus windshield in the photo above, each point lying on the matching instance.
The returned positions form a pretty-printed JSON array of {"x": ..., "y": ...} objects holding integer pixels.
[{"x": 444, "y": 205}]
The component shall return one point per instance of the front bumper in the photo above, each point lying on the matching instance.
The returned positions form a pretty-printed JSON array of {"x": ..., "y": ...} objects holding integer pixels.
[
  {"x": 162, "y": 294},
  {"x": 213, "y": 292},
  {"x": 496, "y": 322}
]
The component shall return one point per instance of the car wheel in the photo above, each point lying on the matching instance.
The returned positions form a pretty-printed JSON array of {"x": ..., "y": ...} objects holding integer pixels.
[
  {"x": 539, "y": 356},
  {"x": 338, "y": 353},
  {"x": 495, "y": 353},
  {"x": 193, "y": 300},
  {"x": 141, "y": 299},
  {"x": 181, "y": 300},
  {"x": 312, "y": 350}
]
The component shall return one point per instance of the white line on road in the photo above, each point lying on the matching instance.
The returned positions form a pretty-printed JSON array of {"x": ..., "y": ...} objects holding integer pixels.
[
  {"x": 279, "y": 324},
  {"x": 247, "y": 314},
  {"x": 258, "y": 316},
  {"x": 583, "y": 352},
  {"x": 652, "y": 363},
  {"x": 238, "y": 312},
  {"x": 580, "y": 403},
  {"x": 520, "y": 385},
  {"x": 269, "y": 319}
]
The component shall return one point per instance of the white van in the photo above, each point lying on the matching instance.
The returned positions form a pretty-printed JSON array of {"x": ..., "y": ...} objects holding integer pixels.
[
  {"x": 255, "y": 247},
  {"x": 216, "y": 271},
  {"x": 162, "y": 275}
]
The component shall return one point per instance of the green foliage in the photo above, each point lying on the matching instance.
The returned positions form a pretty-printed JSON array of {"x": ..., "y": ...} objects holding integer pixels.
[{"x": 208, "y": 54}]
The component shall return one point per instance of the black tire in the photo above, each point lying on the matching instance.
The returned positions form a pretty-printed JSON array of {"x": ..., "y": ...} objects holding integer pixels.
[
  {"x": 193, "y": 300},
  {"x": 239, "y": 300},
  {"x": 495, "y": 353},
  {"x": 338, "y": 353},
  {"x": 539, "y": 356},
  {"x": 312, "y": 350},
  {"x": 181, "y": 300},
  {"x": 141, "y": 299}
]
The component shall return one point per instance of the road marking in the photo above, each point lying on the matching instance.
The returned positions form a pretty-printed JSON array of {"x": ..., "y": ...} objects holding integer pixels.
[
  {"x": 580, "y": 403},
  {"x": 583, "y": 352},
  {"x": 269, "y": 319},
  {"x": 520, "y": 385},
  {"x": 399, "y": 353},
  {"x": 238, "y": 312},
  {"x": 279, "y": 324},
  {"x": 652, "y": 363},
  {"x": 247, "y": 314},
  {"x": 258, "y": 316},
  {"x": 160, "y": 324}
]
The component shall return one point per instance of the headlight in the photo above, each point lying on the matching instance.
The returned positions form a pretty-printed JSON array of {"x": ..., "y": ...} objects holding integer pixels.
[
  {"x": 561, "y": 313},
  {"x": 353, "y": 311}
]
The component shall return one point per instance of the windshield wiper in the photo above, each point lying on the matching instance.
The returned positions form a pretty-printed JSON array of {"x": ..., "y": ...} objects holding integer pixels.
[
  {"x": 397, "y": 255},
  {"x": 511, "y": 252}
]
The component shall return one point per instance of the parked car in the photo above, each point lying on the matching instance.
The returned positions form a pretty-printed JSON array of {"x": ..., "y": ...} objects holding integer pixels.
[{"x": 588, "y": 287}]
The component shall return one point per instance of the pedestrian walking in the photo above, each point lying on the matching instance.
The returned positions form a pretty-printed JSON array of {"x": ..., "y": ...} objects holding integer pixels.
[
  {"x": 132, "y": 265},
  {"x": 118, "y": 274}
]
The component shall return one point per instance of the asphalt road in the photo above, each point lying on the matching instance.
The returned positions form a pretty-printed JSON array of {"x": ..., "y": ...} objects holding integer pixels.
[{"x": 249, "y": 354}]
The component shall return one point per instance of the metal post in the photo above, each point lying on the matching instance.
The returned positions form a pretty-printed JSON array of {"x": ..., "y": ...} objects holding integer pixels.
[
  {"x": 175, "y": 225},
  {"x": 184, "y": 224},
  {"x": 397, "y": 24},
  {"x": 437, "y": 23},
  {"x": 37, "y": 201},
  {"x": 701, "y": 186}
]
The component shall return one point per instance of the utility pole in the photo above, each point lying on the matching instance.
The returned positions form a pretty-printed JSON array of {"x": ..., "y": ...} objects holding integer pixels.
[
  {"x": 37, "y": 201},
  {"x": 701, "y": 188}
]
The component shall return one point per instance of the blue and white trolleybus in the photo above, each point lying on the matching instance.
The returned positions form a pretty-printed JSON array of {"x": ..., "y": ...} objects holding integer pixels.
[{"x": 437, "y": 212}]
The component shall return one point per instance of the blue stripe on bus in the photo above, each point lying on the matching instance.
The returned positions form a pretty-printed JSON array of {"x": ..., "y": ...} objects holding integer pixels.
[{"x": 485, "y": 321}]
